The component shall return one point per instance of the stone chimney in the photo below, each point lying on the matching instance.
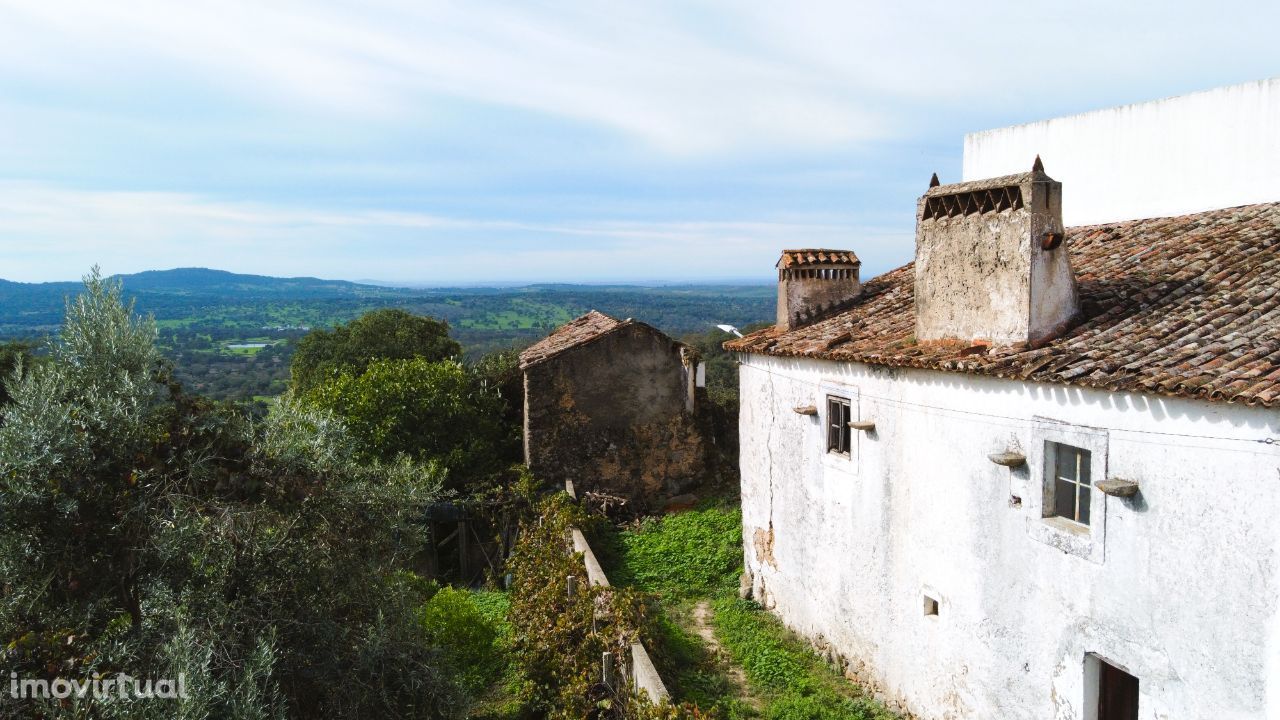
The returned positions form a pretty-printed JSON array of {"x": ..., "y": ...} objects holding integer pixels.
[
  {"x": 814, "y": 282},
  {"x": 991, "y": 261}
]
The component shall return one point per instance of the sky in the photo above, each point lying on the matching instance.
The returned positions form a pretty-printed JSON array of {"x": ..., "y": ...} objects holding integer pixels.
[{"x": 419, "y": 142}]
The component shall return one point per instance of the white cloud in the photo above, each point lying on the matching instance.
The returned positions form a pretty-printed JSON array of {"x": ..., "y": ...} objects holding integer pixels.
[
  {"x": 55, "y": 233},
  {"x": 684, "y": 77},
  {"x": 538, "y": 140}
]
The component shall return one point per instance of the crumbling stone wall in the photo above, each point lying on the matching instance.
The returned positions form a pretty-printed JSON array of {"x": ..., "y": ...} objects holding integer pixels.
[{"x": 616, "y": 414}]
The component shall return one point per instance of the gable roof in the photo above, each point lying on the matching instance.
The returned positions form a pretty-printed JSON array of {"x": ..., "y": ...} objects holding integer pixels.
[
  {"x": 1185, "y": 306},
  {"x": 571, "y": 334}
]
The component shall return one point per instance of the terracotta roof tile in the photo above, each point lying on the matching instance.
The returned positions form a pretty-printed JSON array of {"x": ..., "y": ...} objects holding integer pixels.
[
  {"x": 812, "y": 257},
  {"x": 571, "y": 334},
  {"x": 1185, "y": 306}
]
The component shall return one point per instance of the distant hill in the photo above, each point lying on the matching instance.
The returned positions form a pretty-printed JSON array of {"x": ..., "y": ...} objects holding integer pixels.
[
  {"x": 212, "y": 282},
  {"x": 231, "y": 335},
  {"x": 203, "y": 297}
]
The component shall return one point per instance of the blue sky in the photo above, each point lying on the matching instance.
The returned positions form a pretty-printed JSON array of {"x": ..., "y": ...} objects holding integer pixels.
[{"x": 425, "y": 142}]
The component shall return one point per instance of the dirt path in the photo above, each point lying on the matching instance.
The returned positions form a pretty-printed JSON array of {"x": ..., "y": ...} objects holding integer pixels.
[{"x": 702, "y": 626}]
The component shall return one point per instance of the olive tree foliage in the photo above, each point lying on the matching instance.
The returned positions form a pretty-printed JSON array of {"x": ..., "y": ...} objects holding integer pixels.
[
  {"x": 15, "y": 360},
  {"x": 150, "y": 532},
  {"x": 385, "y": 334}
]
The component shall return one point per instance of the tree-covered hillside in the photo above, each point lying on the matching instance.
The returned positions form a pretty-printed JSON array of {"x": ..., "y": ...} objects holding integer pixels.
[{"x": 231, "y": 336}]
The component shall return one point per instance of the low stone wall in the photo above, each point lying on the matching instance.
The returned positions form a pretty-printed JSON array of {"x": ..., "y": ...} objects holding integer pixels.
[{"x": 640, "y": 668}]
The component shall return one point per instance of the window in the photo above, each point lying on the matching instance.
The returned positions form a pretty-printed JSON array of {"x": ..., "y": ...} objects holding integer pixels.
[
  {"x": 839, "y": 434},
  {"x": 930, "y": 605},
  {"x": 1072, "y": 489},
  {"x": 1059, "y": 488}
]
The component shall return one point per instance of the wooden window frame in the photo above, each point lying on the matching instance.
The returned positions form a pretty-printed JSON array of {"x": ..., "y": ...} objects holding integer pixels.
[
  {"x": 1078, "y": 478},
  {"x": 839, "y": 434}
]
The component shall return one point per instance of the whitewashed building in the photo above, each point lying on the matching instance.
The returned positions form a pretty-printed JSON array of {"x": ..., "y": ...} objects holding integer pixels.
[{"x": 1034, "y": 474}]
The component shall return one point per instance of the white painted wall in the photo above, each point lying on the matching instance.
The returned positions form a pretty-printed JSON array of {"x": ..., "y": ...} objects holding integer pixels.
[
  {"x": 1214, "y": 149},
  {"x": 1179, "y": 586}
]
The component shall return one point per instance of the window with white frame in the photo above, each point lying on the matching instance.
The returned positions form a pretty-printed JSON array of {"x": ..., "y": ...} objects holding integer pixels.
[
  {"x": 839, "y": 435},
  {"x": 1072, "y": 485}
]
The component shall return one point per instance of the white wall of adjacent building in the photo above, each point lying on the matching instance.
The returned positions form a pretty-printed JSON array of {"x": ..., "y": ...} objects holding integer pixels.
[
  {"x": 1214, "y": 149},
  {"x": 1179, "y": 586}
]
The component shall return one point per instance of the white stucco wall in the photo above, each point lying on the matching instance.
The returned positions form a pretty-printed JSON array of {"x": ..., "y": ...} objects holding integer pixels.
[
  {"x": 1214, "y": 149},
  {"x": 1178, "y": 586}
]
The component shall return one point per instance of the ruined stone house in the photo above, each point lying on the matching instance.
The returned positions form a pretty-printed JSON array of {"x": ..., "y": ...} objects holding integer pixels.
[
  {"x": 1036, "y": 472},
  {"x": 611, "y": 406}
]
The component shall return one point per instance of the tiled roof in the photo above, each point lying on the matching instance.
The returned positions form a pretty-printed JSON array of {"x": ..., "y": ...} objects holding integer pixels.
[
  {"x": 573, "y": 333},
  {"x": 810, "y": 257},
  {"x": 1186, "y": 306}
]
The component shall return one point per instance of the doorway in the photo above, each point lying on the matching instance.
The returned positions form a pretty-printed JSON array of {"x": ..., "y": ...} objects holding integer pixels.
[{"x": 1111, "y": 693}]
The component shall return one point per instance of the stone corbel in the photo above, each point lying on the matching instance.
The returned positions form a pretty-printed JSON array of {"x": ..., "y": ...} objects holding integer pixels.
[
  {"x": 1009, "y": 459},
  {"x": 1117, "y": 487}
]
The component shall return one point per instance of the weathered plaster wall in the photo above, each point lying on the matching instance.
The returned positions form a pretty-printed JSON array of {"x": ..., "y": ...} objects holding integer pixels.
[
  {"x": 801, "y": 297},
  {"x": 1207, "y": 150},
  {"x": 1178, "y": 585},
  {"x": 616, "y": 414}
]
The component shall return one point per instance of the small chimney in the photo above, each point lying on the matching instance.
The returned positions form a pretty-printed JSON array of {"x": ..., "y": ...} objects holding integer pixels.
[
  {"x": 813, "y": 282},
  {"x": 991, "y": 262}
]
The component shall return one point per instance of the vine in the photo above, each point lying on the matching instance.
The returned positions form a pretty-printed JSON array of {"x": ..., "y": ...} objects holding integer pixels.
[{"x": 561, "y": 637}]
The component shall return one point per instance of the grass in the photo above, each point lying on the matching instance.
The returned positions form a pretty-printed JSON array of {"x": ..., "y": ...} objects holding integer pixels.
[
  {"x": 693, "y": 554},
  {"x": 696, "y": 557},
  {"x": 500, "y": 700},
  {"x": 798, "y": 683}
]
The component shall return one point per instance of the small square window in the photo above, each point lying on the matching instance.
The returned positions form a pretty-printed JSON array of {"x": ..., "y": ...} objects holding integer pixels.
[
  {"x": 1072, "y": 487},
  {"x": 839, "y": 435},
  {"x": 930, "y": 605}
]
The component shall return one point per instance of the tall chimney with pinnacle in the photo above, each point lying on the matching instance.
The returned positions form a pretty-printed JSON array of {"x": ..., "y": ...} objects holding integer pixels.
[{"x": 991, "y": 261}]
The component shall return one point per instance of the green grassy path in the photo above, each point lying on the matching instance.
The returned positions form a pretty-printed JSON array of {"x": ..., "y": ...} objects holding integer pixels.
[{"x": 727, "y": 655}]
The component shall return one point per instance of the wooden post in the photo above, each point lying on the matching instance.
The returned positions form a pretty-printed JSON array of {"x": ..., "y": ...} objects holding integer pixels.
[
  {"x": 463, "y": 575},
  {"x": 606, "y": 669}
]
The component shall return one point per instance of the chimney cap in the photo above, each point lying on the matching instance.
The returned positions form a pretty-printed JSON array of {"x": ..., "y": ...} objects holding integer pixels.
[
  {"x": 933, "y": 181},
  {"x": 1038, "y": 165},
  {"x": 807, "y": 257}
]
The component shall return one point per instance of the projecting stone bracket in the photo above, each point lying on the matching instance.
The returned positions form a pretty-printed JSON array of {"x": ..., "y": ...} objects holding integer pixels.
[
  {"x": 806, "y": 410},
  {"x": 1116, "y": 487},
  {"x": 863, "y": 425},
  {"x": 1009, "y": 459}
]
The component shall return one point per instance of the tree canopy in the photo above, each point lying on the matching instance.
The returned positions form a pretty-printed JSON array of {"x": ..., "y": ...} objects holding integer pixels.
[
  {"x": 430, "y": 411},
  {"x": 386, "y": 334}
]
